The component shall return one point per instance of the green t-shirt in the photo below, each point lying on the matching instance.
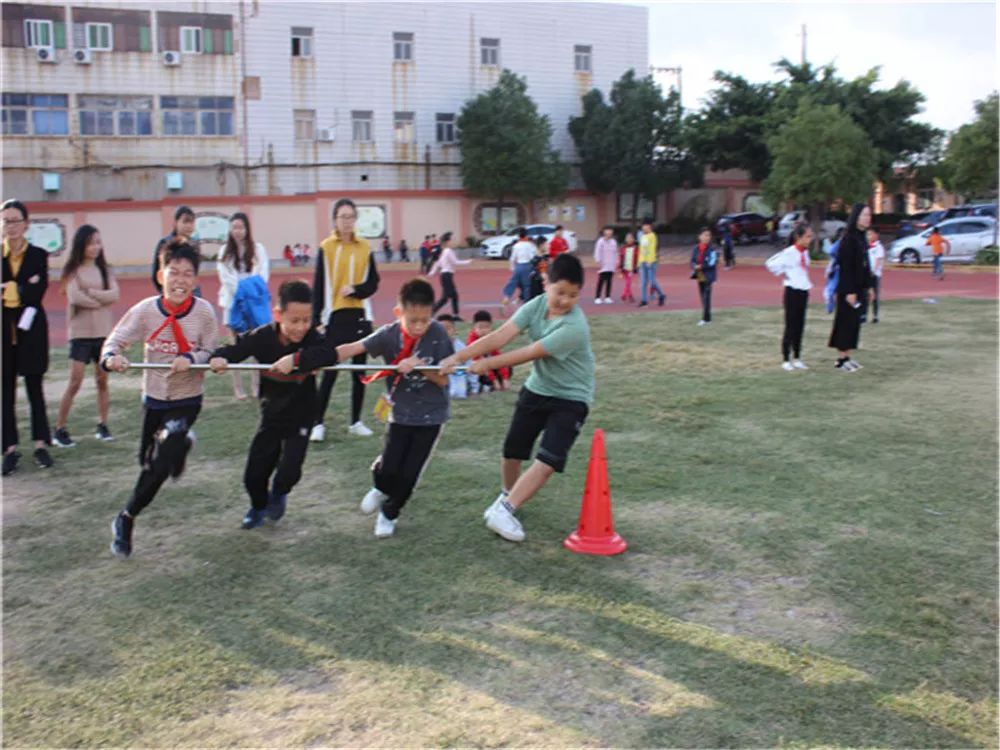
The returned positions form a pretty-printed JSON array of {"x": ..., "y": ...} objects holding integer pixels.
[{"x": 568, "y": 371}]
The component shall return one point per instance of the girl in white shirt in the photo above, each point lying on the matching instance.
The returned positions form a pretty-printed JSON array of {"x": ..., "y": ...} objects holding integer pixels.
[
  {"x": 241, "y": 259},
  {"x": 793, "y": 264},
  {"x": 446, "y": 265}
]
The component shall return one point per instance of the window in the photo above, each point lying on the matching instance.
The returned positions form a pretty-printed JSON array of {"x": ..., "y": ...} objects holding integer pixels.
[
  {"x": 305, "y": 124},
  {"x": 445, "y": 127},
  {"x": 197, "y": 115},
  {"x": 489, "y": 51},
  {"x": 403, "y": 128},
  {"x": 191, "y": 39},
  {"x": 581, "y": 58},
  {"x": 99, "y": 37},
  {"x": 37, "y": 33},
  {"x": 115, "y": 115},
  {"x": 47, "y": 113},
  {"x": 402, "y": 46},
  {"x": 361, "y": 126},
  {"x": 302, "y": 41}
]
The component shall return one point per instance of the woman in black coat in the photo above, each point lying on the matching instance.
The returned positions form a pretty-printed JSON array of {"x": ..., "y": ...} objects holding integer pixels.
[
  {"x": 852, "y": 287},
  {"x": 25, "y": 334}
]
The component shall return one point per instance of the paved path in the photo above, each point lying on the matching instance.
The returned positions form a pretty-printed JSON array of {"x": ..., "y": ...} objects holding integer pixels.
[{"x": 479, "y": 286}]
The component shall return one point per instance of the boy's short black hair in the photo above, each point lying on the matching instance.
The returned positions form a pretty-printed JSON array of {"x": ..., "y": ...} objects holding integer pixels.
[
  {"x": 646, "y": 221},
  {"x": 703, "y": 230},
  {"x": 482, "y": 316},
  {"x": 294, "y": 291},
  {"x": 558, "y": 227},
  {"x": 522, "y": 232},
  {"x": 179, "y": 251},
  {"x": 446, "y": 318},
  {"x": 416, "y": 292},
  {"x": 566, "y": 267}
]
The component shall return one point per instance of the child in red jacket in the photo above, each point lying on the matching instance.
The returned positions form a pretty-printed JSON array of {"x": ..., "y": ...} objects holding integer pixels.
[{"x": 482, "y": 325}]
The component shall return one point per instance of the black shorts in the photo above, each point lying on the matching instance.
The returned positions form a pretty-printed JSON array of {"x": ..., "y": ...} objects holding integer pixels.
[
  {"x": 561, "y": 420},
  {"x": 85, "y": 350}
]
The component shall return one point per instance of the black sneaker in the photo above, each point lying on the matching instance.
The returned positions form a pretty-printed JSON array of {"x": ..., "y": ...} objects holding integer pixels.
[
  {"x": 10, "y": 461},
  {"x": 276, "y": 505},
  {"x": 103, "y": 433},
  {"x": 121, "y": 544},
  {"x": 663, "y": 298},
  {"x": 178, "y": 468},
  {"x": 254, "y": 518},
  {"x": 62, "y": 439},
  {"x": 42, "y": 459}
]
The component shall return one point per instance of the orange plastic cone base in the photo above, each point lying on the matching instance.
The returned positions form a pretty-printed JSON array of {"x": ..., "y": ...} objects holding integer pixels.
[{"x": 595, "y": 533}]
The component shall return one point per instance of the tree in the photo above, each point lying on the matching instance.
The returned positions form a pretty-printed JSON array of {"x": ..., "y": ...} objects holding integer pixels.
[
  {"x": 633, "y": 142},
  {"x": 506, "y": 146},
  {"x": 820, "y": 155},
  {"x": 970, "y": 160}
]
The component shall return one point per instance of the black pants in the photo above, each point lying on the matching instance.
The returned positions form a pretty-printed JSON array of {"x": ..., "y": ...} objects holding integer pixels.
[
  {"x": 162, "y": 450},
  {"x": 846, "y": 325},
  {"x": 604, "y": 281},
  {"x": 729, "y": 256},
  {"x": 344, "y": 327},
  {"x": 273, "y": 446},
  {"x": 448, "y": 292},
  {"x": 405, "y": 454},
  {"x": 795, "y": 303},
  {"x": 36, "y": 400},
  {"x": 705, "y": 293}
]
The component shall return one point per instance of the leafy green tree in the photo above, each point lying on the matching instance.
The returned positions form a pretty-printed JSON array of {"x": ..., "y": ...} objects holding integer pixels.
[
  {"x": 506, "y": 146},
  {"x": 820, "y": 155},
  {"x": 970, "y": 165},
  {"x": 632, "y": 143}
]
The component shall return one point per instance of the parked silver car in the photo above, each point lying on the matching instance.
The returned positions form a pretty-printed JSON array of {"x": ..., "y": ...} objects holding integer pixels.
[
  {"x": 967, "y": 235},
  {"x": 499, "y": 246}
]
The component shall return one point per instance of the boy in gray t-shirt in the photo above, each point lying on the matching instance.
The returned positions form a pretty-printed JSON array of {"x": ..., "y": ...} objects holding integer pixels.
[{"x": 419, "y": 400}]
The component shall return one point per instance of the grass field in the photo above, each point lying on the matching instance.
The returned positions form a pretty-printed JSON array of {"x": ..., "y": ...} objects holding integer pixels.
[{"x": 812, "y": 562}]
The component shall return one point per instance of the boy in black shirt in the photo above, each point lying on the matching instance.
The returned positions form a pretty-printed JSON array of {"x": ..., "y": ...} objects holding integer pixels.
[{"x": 287, "y": 402}]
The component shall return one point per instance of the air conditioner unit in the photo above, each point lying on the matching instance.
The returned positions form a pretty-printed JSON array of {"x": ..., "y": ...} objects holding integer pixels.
[
  {"x": 326, "y": 134},
  {"x": 83, "y": 57},
  {"x": 171, "y": 58},
  {"x": 45, "y": 54}
]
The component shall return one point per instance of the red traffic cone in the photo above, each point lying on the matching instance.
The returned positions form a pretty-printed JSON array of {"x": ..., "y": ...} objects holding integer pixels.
[{"x": 595, "y": 534}]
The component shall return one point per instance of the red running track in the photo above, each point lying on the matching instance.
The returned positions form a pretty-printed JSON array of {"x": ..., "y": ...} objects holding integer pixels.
[{"x": 479, "y": 287}]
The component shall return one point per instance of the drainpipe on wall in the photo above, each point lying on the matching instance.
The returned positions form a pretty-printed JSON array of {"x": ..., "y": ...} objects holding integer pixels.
[{"x": 243, "y": 97}]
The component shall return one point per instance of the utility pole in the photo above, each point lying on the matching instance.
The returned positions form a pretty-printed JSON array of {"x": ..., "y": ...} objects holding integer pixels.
[
  {"x": 677, "y": 72},
  {"x": 803, "y": 45}
]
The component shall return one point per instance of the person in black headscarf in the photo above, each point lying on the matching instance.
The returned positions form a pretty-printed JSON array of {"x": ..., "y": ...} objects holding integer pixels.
[{"x": 852, "y": 287}]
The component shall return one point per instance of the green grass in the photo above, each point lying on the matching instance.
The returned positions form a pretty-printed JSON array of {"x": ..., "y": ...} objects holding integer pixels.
[{"x": 812, "y": 562}]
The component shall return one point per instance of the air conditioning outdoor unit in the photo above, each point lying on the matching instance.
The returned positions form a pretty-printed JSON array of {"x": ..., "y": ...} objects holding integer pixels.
[
  {"x": 171, "y": 58},
  {"x": 326, "y": 134},
  {"x": 83, "y": 57},
  {"x": 45, "y": 54}
]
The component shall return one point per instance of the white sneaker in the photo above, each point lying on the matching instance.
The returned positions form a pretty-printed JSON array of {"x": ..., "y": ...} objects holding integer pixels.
[
  {"x": 384, "y": 527},
  {"x": 855, "y": 365},
  {"x": 598, "y": 301},
  {"x": 703, "y": 322},
  {"x": 800, "y": 365},
  {"x": 608, "y": 300},
  {"x": 501, "y": 521},
  {"x": 318, "y": 434},
  {"x": 787, "y": 366},
  {"x": 359, "y": 429},
  {"x": 373, "y": 501}
]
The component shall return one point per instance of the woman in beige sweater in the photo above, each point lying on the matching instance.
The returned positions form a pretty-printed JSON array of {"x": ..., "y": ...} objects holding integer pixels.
[{"x": 91, "y": 289}]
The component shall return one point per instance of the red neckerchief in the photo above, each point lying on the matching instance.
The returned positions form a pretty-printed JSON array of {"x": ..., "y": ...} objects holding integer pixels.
[
  {"x": 803, "y": 254},
  {"x": 409, "y": 344},
  {"x": 183, "y": 347},
  {"x": 702, "y": 249}
]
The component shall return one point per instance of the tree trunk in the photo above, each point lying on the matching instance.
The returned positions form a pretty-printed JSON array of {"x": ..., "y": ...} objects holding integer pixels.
[{"x": 635, "y": 210}]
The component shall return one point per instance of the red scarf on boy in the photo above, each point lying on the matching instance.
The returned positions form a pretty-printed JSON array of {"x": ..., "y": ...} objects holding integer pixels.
[
  {"x": 183, "y": 347},
  {"x": 409, "y": 344}
]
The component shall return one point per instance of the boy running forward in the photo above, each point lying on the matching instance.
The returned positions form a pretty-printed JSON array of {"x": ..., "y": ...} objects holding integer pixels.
[
  {"x": 287, "y": 402},
  {"x": 180, "y": 330},
  {"x": 419, "y": 399},
  {"x": 556, "y": 397}
]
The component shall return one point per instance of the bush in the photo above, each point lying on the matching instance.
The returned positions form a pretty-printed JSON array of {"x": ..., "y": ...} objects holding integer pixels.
[
  {"x": 816, "y": 251},
  {"x": 988, "y": 256},
  {"x": 471, "y": 241}
]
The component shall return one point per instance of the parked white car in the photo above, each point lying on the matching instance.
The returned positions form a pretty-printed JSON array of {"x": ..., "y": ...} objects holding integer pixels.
[
  {"x": 827, "y": 229},
  {"x": 499, "y": 246},
  {"x": 967, "y": 235}
]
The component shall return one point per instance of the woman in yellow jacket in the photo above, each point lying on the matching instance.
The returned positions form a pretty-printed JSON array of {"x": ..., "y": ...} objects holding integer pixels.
[{"x": 345, "y": 278}]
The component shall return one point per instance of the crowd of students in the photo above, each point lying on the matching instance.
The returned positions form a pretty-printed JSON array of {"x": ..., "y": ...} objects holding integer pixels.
[{"x": 331, "y": 322}]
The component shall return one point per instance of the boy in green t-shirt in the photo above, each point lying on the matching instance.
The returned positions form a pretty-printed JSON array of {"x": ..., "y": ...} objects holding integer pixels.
[{"x": 556, "y": 398}]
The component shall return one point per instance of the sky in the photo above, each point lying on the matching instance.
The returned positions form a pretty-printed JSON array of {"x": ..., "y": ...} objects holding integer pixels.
[{"x": 948, "y": 50}]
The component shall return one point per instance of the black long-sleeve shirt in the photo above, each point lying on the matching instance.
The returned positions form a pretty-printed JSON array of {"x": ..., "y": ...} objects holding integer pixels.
[
  {"x": 852, "y": 257},
  {"x": 285, "y": 400}
]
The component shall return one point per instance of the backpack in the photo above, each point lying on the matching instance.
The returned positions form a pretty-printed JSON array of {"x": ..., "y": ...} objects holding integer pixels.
[
  {"x": 251, "y": 306},
  {"x": 832, "y": 278}
]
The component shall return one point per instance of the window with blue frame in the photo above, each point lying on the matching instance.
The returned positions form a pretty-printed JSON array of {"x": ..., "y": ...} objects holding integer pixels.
[
  {"x": 35, "y": 114},
  {"x": 115, "y": 115},
  {"x": 197, "y": 115}
]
